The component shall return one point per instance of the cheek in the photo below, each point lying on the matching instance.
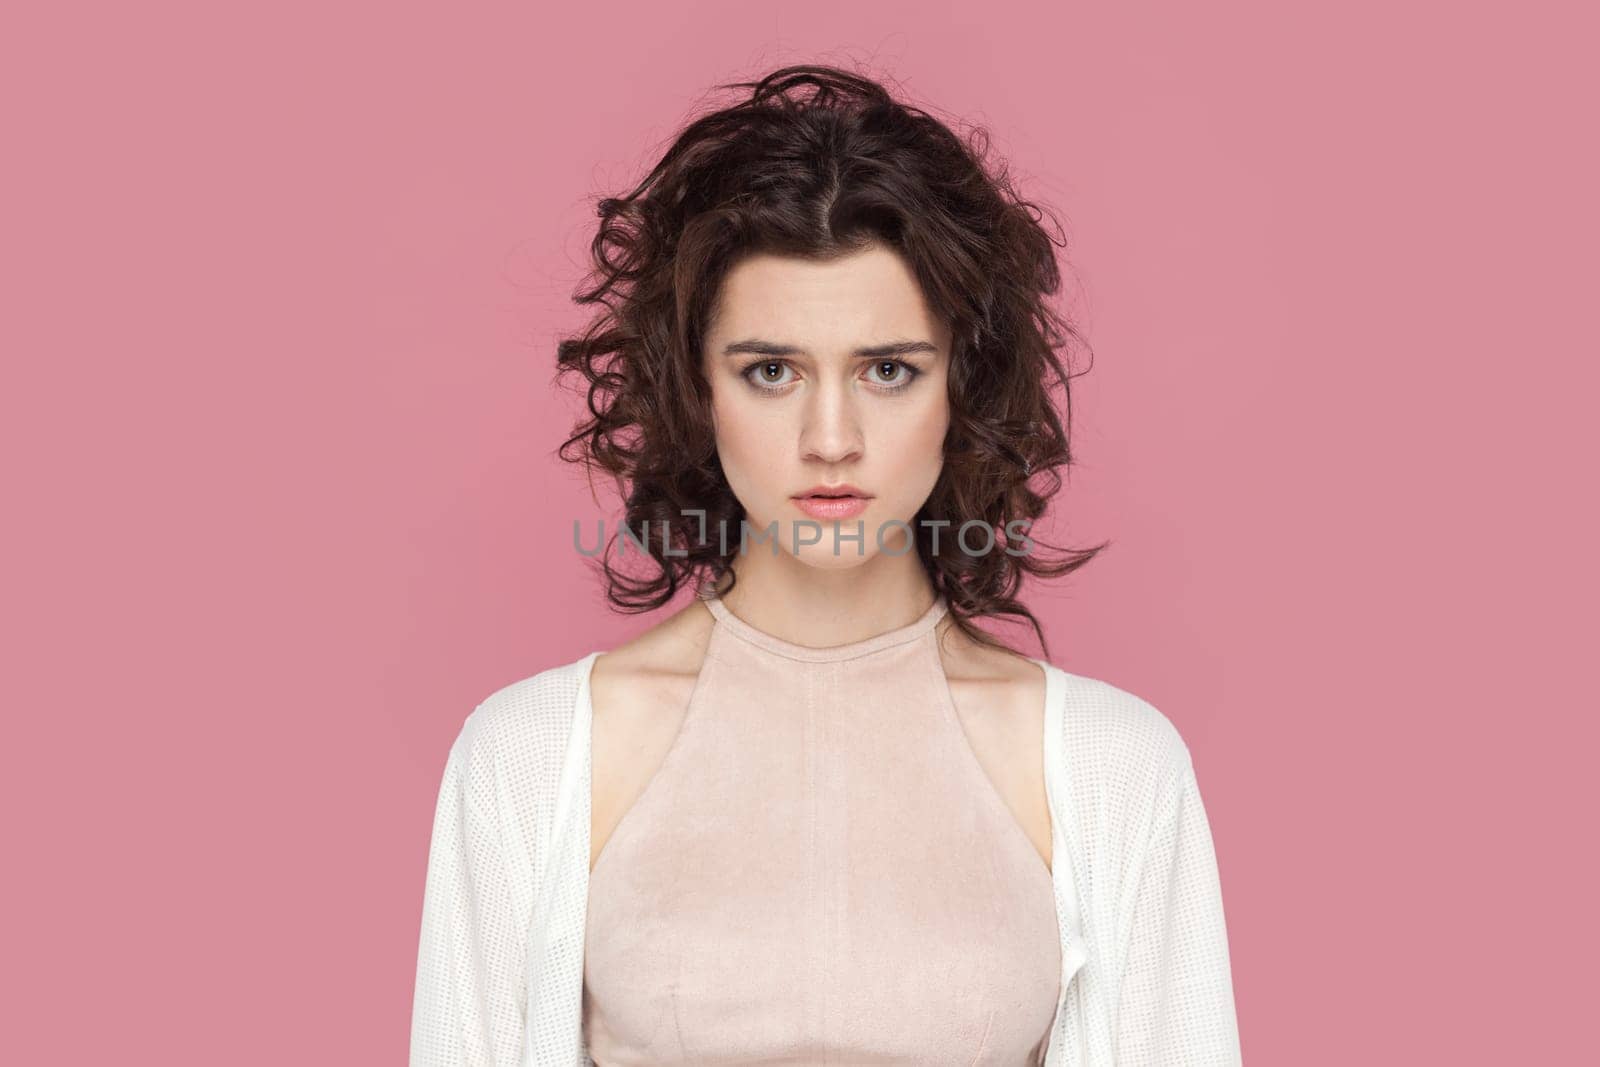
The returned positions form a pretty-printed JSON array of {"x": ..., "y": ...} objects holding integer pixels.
[
  {"x": 909, "y": 455},
  {"x": 920, "y": 444},
  {"x": 744, "y": 439}
]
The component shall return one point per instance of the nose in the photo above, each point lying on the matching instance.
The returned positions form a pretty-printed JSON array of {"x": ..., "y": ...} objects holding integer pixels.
[{"x": 832, "y": 430}]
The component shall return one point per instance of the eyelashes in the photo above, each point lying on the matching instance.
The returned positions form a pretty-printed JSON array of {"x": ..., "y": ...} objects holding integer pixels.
[{"x": 906, "y": 374}]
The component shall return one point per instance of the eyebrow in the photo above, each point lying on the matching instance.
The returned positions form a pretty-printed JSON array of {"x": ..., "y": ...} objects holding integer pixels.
[{"x": 772, "y": 348}]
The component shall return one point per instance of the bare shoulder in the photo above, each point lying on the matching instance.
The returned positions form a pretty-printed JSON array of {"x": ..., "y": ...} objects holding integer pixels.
[
  {"x": 656, "y": 662},
  {"x": 999, "y": 696},
  {"x": 1000, "y": 690},
  {"x": 638, "y": 693}
]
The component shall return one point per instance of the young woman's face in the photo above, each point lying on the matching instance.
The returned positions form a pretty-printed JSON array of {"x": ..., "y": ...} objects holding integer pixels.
[{"x": 822, "y": 374}]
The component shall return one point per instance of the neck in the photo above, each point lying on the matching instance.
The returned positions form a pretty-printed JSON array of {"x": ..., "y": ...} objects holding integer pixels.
[{"x": 823, "y": 606}]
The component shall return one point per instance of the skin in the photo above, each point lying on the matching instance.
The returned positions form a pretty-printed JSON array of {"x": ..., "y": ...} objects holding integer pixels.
[
  {"x": 819, "y": 413},
  {"x": 822, "y": 415}
]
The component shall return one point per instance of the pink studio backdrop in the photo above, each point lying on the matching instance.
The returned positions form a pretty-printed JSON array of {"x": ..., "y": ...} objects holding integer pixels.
[{"x": 283, "y": 286}]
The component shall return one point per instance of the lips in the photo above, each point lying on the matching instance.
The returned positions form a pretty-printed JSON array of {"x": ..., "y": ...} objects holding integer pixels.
[
  {"x": 840, "y": 489},
  {"x": 832, "y": 502}
]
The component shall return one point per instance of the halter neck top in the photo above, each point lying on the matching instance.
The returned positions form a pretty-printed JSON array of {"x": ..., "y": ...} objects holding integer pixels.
[{"x": 820, "y": 871}]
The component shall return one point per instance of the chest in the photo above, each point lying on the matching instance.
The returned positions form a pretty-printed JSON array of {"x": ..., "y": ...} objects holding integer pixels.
[
  {"x": 637, "y": 717},
  {"x": 792, "y": 873}
]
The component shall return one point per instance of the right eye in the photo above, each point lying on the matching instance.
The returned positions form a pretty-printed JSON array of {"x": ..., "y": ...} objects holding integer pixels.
[{"x": 767, "y": 374}]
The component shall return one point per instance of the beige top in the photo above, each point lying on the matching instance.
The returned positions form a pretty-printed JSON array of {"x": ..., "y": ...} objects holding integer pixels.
[{"x": 773, "y": 895}]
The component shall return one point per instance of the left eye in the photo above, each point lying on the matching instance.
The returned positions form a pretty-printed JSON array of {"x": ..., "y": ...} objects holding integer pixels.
[{"x": 897, "y": 375}]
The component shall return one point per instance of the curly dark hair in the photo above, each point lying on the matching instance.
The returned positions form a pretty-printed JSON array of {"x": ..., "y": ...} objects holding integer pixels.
[{"x": 819, "y": 162}]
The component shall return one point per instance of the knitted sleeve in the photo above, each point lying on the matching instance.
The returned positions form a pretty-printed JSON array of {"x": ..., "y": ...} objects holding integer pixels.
[
  {"x": 468, "y": 1006},
  {"x": 1176, "y": 1004}
]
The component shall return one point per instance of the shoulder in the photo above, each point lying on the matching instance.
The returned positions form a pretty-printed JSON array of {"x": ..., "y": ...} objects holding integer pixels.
[
  {"x": 1113, "y": 722},
  {"x": 527, "y": 725},
  {"x": 1119, "y": 752},
  {"x": 520, "y": 731},
  {"x": 533, "y": 698},
  {"x": 507, "y": 761},
  {"x": 654, "y": 669}
]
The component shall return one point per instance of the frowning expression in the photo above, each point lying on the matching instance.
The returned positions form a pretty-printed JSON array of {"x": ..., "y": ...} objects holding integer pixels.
[{"x": 828, "y": 373}]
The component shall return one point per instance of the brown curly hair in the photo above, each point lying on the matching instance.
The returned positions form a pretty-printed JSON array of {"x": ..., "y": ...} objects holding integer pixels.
[{"x": 818, "y": 162}]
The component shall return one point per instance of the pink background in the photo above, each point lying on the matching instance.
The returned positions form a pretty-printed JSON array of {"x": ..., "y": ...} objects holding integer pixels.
[{"x": 282, "y": 289}]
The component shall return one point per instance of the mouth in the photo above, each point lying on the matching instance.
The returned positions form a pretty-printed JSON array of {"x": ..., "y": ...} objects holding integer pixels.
[
  {"x": 839, "y": 502},
  {"x": 835, "y": 492}
]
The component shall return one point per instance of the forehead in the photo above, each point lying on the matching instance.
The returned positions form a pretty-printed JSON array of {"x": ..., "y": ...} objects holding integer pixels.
[{"x": 862, "y": 298}]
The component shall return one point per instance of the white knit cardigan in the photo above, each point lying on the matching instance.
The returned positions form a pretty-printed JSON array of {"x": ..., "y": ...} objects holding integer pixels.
[{"x": 1145, "y": 973}]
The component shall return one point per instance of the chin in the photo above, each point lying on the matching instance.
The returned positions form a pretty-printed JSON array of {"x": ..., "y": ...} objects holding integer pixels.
[
  {"x": 820, "y": 556},
  {"x": 850, "y": 552}
]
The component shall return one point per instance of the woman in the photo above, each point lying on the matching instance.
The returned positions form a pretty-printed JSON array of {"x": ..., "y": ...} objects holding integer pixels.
[{"x": 816, "y": 814}]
